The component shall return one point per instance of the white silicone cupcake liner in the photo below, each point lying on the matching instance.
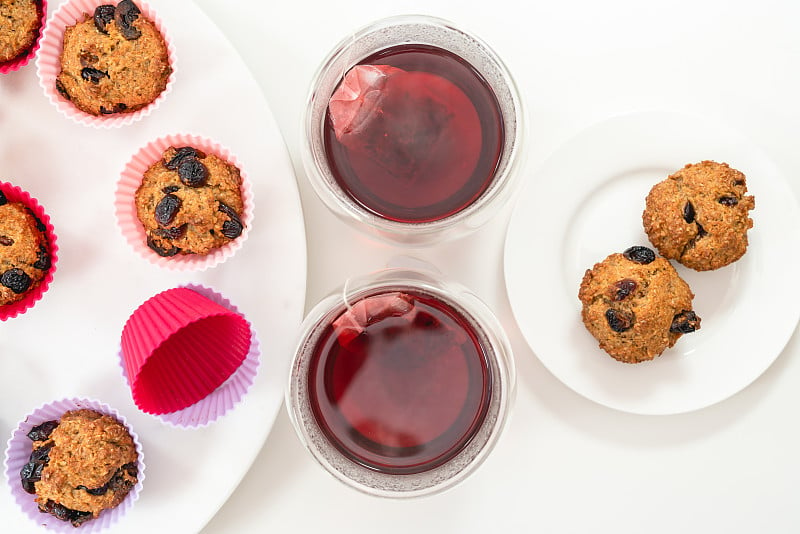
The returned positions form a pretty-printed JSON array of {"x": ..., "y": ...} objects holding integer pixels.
[
  {"x": 48, "y": 63},
  {"x": 230, "y": 393},
  {"x": 18, "y": 452},
  {"x": 23, "y": 59},
  {"x": 133, "y": 230}
]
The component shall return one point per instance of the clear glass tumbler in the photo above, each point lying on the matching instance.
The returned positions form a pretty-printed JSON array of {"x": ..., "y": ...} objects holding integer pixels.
[
  {"x": 401, "y": 383},
  {"x": 413, "y": 131}
]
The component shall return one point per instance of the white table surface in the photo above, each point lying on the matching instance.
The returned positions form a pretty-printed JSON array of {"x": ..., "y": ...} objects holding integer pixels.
[{"x": 564, "y": 464}]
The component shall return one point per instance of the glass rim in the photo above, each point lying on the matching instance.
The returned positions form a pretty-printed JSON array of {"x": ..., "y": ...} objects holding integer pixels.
[{"x": 468, "y": 218}]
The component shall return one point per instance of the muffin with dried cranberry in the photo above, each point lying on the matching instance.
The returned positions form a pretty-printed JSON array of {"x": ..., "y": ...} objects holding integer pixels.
[
  {"x": 636, "y": 305},
  {"x": 699, "y": 216},
  {"x": 115, "y": 61},
  {"x": 190, "y": 202},
  {"x": 24, "y": 251},
  {"x": 81, "y": 464},
  {"x": 20, "y": 25}
]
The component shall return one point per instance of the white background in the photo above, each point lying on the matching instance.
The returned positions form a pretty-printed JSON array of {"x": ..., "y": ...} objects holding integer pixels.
[{"x": 564, "y": 463}]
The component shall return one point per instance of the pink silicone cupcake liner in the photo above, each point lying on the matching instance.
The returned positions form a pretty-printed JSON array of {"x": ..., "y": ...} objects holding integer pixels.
[
  {"x": 188, "y": 356},
  {"x": 226, "y": 396},
  {"x": 48, "y": 63},
  {"x": 131, "y": 227},
  {"x": 22, "y": 60},
  {"x": 18, "y": 453},
  {"x": 15, "y": 194}
]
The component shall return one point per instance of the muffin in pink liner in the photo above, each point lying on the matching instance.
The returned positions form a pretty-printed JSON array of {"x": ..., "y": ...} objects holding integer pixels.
[
  {"x": 134, "y": 230},
  {"x": 22, "y": 59},
  {"x": 48, "y": 63},
  {"x": 18, "y": 454},
  {"x": 13, "y": 194},
  {"x": 188, "y": 355}
]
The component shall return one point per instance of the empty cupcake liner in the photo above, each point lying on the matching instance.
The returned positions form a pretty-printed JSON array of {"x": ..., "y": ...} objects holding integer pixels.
[
  {"x": 133, "y": 230},
  {"x": 23, "y": 59},
  {"x": 18, "y": 452},
  {"x": 15, "y": 194},
  {"x": 48, "y": 63},
  {"x": 188, "y": 356}
]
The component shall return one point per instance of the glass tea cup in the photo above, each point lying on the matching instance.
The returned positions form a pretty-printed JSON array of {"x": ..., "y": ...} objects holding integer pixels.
[
  {"x": 413, "y": 131},
  {"x": 401, "y": 383}
]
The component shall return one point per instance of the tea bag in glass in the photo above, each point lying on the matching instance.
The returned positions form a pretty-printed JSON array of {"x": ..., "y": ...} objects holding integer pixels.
[
  {"x": 410, "y": 124},
  {"x": 369, "y": 311}
]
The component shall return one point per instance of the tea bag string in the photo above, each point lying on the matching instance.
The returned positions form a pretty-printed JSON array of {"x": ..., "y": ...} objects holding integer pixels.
[
  {"x": 345, "y": 287},
  {"x": 348, "y": 59}
]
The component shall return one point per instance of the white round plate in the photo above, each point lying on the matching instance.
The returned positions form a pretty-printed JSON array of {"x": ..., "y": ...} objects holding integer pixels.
[
  {"x": 586, "y": 202},
  {"x": 67, "y": 344}
]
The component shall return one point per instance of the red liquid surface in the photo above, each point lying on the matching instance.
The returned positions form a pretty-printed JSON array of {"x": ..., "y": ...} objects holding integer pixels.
[
  {"x": 399, "y": 391},
  {"x": 434, "y": 145}
]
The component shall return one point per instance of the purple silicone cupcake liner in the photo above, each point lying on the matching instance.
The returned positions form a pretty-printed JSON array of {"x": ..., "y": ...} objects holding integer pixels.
[
  {"x": 229, "y": 393},
  {"x": 18, "y": 452}
]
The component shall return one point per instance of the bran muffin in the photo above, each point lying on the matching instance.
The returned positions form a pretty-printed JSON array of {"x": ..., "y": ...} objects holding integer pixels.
[
  {"x": 190, "y": 202},
  {"x": 24, "y": 251},
  {"x": 699, "y": 215},
  {"x": 636, "y": 305},
  {"x": 20, "y": 25},
  {"x": 113, "y": 62},
  {"x": 80, "y": 465}
]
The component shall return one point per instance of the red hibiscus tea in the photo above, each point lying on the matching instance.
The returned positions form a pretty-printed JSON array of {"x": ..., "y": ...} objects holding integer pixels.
[
  {"x": 413, "y": 130},
  {"x": 400, "y": 385},
  {"x": 399, "y": 382},
  {"x": 413, "y": 133}
]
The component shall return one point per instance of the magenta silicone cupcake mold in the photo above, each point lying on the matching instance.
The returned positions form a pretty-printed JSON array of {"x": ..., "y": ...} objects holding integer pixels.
[
  {"x": 48, "y": 63},
  {"x": 16, "y": 194},
  {"x": 24, "y": 58},
  {"x": 188, "y": 355},
  {"x": 132, "y": 228},
  {"x": 18, "y": 452}
]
